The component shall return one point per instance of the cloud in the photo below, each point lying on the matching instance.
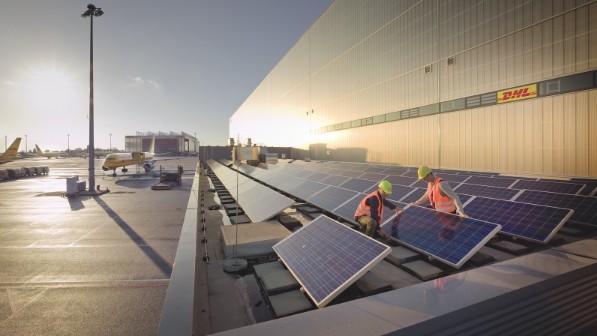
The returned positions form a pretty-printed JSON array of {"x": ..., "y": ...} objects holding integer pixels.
[{"x": 136, "y": 81}]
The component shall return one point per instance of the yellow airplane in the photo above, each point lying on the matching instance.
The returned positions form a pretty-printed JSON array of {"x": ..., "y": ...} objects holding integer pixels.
[
  {"x": 48, "y": 154},
  {"x": 117, "y": 160},
  {"x": 11, "y": 152}
]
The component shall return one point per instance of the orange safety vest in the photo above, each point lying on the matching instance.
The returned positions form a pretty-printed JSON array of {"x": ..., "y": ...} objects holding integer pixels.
[
  {"x": 438, "y": 201},
  {"x": 365, "y": 210}
]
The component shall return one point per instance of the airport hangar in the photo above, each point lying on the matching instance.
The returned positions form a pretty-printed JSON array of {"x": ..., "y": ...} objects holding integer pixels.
[
  {"x": 507, "y": 87},
  {"x": 165, "y": 142}
]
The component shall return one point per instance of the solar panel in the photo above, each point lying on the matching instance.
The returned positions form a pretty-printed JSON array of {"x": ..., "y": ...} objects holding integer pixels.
[
  {"x": 415, "y": 195},
  {"x": 331, "y": 197},
  {"x": 453, "y": 178},
  {"x": 552, "y": 186},
  {"x": 375, "y": 169},
  {"x": 395, "y": 170},
  {"x": 302, "y": 173},
  {"x": 258, "y": 201},
  {"x": 290, "y": 184},
  {"x": 538, "y": 223},
  {"x": 590, "y": 188},
  {"x": 335, "y": 180},
  {"x": 306, "y": 189},
  {"x": 317, "y": 177},
  {"x": 326, "y": 257},
  {"x": 402, "y": 180},
  {"x": 359, "y": 185},
  {"x": 373, "y": 176},
  {"x": 502, "y": 182},
  {"x": 411, "y": 173},
  {"x": 347, "y": 210},
  {"x": 448, "y": 238},
  {"x": 584, "y": 206},
  {"x": 486, "y": 191}
]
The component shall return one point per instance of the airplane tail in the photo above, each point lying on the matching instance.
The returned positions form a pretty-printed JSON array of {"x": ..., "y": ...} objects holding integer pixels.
[
  {"x": 38, "y": 150},
  {"x": 13, "y": 149},
  {"x": 152, "y": 147}
]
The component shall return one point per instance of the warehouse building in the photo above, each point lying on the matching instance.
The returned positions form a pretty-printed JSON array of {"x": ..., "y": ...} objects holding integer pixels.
[
  {"x": 165, "y": 142},
  {"x": 507, "y": 87}
]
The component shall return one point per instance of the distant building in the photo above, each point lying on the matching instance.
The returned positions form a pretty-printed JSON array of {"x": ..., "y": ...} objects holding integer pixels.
[
  {"x": 470, "y": 85},
  {"x": 165, "y": 142}
]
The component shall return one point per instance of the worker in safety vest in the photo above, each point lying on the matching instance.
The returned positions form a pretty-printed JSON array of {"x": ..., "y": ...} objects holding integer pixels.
[
  {"x": 439, "y": 194},
  {"x": 370, "y": 210}
]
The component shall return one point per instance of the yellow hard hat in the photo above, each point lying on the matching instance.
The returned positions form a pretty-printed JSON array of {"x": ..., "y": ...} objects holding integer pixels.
[
  {"x": 423, "y": 172},
  {"x": 386, "y": 186}
]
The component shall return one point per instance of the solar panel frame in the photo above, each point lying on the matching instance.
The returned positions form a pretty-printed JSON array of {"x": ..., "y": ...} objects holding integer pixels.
[
  {"x": 453, "y": 241},
  {"x": 532, "y": 222},
  {"x": 326, "y": 257}
]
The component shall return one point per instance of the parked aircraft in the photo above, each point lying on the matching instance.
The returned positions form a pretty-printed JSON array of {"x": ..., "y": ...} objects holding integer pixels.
[
  {"x": 11, "y": 152},
  {"x": 48, "y": 154},
  {"x": 117, "y": 160}
]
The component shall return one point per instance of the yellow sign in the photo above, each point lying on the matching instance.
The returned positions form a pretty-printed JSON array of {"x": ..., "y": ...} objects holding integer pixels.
[{"x": 519, "y": 93}]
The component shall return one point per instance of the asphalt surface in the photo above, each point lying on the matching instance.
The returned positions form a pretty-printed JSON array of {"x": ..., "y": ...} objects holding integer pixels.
[{"x": 87, "y": 265}]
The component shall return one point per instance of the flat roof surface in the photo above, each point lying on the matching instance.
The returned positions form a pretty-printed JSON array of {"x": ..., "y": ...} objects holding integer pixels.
[{"x": 87, "y": 265}]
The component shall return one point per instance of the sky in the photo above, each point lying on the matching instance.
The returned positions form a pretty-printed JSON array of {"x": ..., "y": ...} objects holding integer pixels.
[{"x": 176, "y": 65}]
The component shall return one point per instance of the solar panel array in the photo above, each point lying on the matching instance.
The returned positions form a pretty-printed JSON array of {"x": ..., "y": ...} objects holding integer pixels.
[
  {"x": 338, "y": 187},
  {"x": 449, "y": 238},
  {"x": 326, "y": 257},
  {"x": 259, "y": 202},
  {"x": 538, "y": 223}
]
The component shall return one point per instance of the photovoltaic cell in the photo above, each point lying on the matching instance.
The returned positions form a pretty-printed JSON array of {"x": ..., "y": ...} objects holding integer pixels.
[
  {"x": 552, "y": 186},
  {"x": 486, "y": 191},
  {"x": 590, "y": 188},
  {"x": 411, "y": 173},
  {"x": 452, "y": 177},
  {"x": 326, "y": 257},
  {"x": 375, "y": 169},
  {"x": 395, "y": 170},
  {"x": 331, "y": 197},
  {"x": 448, "y": 238},
  {"x": 538, "y": 223},
  {"x": 306, "y": 189},
  {"x": 347, "y": 210},
  {"x": 350, "y": 173},
  {"x": 584, "y": 206}
]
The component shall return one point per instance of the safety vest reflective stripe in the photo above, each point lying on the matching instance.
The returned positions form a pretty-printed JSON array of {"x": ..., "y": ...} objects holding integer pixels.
[
  {"x": 438, "y": 201},
  {"x": 365, "y": 210}
]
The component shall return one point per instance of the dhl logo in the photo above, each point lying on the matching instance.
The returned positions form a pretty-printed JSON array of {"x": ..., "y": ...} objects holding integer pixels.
[{"x": 519, "y": 93}]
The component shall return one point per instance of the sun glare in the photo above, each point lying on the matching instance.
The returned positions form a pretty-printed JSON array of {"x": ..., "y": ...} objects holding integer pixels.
[{"x": 50, "y": 90}]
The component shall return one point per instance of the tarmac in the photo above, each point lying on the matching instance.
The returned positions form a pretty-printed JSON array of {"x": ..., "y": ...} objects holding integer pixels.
[{"x": 90, "y": 264}]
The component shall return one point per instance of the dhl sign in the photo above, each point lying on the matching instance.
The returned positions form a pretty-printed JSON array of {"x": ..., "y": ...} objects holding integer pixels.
[{"x": 519, "y": 93}]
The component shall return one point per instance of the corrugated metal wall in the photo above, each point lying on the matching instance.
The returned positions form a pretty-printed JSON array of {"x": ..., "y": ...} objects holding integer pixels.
[{"x": 366, "y": 58}]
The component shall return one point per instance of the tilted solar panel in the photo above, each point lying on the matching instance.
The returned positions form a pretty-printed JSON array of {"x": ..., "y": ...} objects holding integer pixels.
[
  {"x": 486, "y": 191},
  {"x": 411, "y": 173},
  {"x": 395, "y": 170},
  {"x": 375, "y": 169},
  {"x": 452, "y": 177},
  {"x": 347, "y": 210},
  {"x": 538, "y": 223},
  {"x": 552, "y": 186},
  {"x": 448, "y": 238},
  {"x": 373, "y": 176},
  {"x": 317, "y": 177},
  {"x": 335, "y": 180},
  {"x": 306, "y": 189},
  {"x": 326, "y": 257},
  {"x": 590, "y": 188},
  {"x": 331, "y": 197},
  {"x": 584, "y": 206},
  {"x": 402, "y": 180},
  {"x": 359, "y": 185}
]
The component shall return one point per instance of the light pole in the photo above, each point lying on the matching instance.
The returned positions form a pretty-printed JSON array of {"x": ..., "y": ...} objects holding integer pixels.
[
  {"x": 91, "y": 12},
  {"x": 25, "y": 143},
  {"x": 67, "y": 143},
  {"x": 110, "y": 141}
]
